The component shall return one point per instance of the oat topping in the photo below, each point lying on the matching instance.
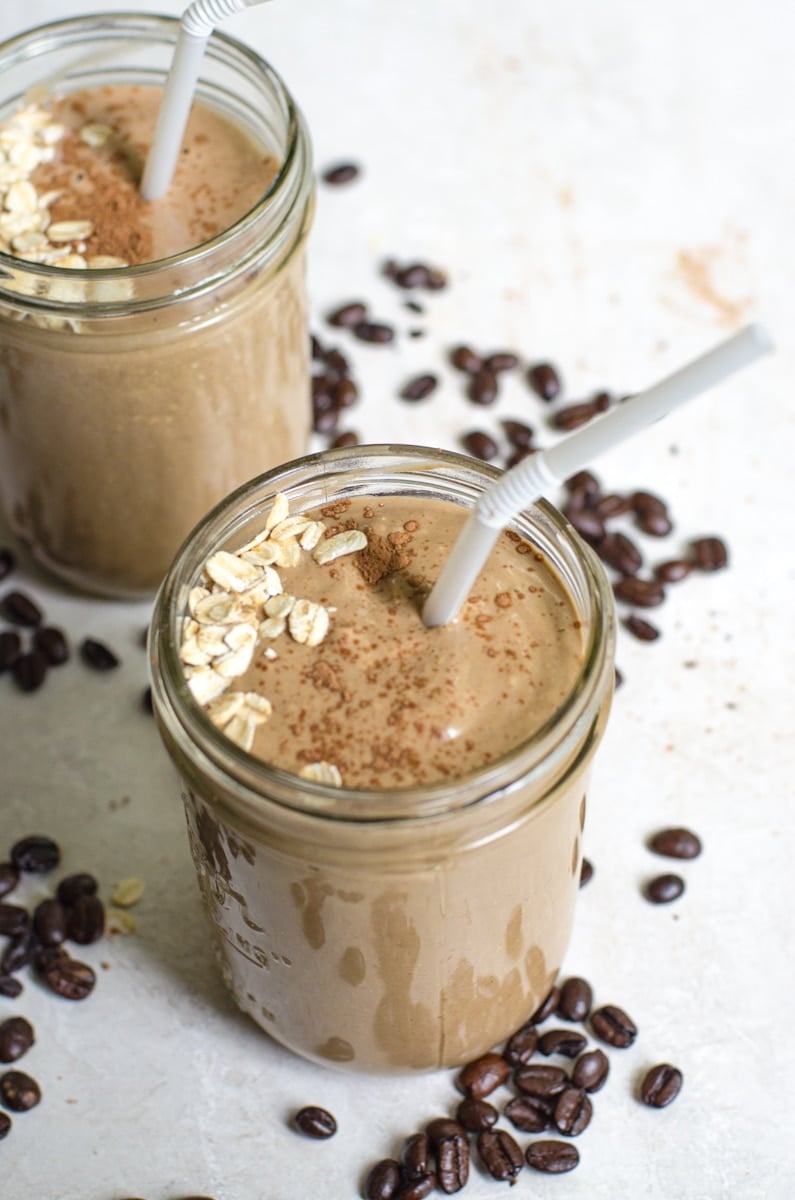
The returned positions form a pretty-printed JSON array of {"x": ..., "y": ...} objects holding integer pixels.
[
  {"x": 340, "y": 543},
  {"x": 128, "y": 892}
]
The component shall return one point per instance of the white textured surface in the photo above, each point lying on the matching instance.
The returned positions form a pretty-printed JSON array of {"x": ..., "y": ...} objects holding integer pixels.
[{"x": 558, "y": 160}]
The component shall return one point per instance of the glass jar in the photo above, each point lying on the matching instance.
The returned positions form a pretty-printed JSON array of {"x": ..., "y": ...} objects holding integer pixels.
[
  {"x": 403, "y": 929},
  {"x": 132, "y": 399}
]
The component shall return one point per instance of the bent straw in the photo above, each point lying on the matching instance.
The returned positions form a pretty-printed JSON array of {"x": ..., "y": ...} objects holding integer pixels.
[
  {"x": 198, "y": 22},
  {"x": 536, "y": 474}
]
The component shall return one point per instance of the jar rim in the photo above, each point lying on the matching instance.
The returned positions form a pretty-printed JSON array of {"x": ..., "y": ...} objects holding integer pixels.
[{"x": 556, "y": 741}]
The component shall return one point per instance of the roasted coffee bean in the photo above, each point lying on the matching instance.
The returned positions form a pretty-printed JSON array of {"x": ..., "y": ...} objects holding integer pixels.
[
  {"x": 620, "y": 552},
  {"x": 341, "y": 173},
  {"x": 501, "y": 360},
  {"x": 9, "y": 878},
  {"x": 344, "y": 441},
  {"x": 519, "y": 455},
  {"x": 374, "y": 331},
  {"x": 85, "y": 921},
  {"x": 673, "y": 570},
  {"x": 442, "y": 1127},
  {"x": 53, "y": 644},
  {"x": 547, "y": 1007},
  {"x": 656, "y": 524},
  {"x": 20, "y": 609},
  {"x": 49, "y": 922},
  {"x": 521, "y": 1045},
  {"x": 661, "y": 1085},
  {"x": 585, "y": 483},
  {"x": 476, "y": 1115},
  {"x": 7, "y": 562},
  {"x": 552, "y": 1157},
  {"x": 10, "y": 648},
  {"x": 5, "y": 1125},
  {"x": 483, "y": 387},
  {"x": 612, "y": 505},
  {"x": 709, "y": 553},
  {"x": 572, "y": 416},
  {"x": 644, "y": 631},
  {"x": 591, "y": 1070},
  {"x": 72, "y": 887},
  {"x": 452, "y": 1162},
  {"x": 69, "y": 978},
  {"x": 531, "y": 1114},
  {"x": 576, "y": 998},
  {"x": 573, "y": 1111},
  {"x": 586, "y": 870},
  {"x": 647, "y": 504},
  {"x": 518, "y": 434},
  {"x": 14, "y": 920},
  {"x": 348, "y": 315},
  {"x": 481, "y": 1077},
  {"x": 315, "y": 1122},
  {"x": 586, "y": 522},
  {"x": 9, "y": 986},
  {"x": 676, "y": 842},
  {"x": 29, "y": 671},
  {"x": 419, "y": 387},
  {"x": 35, "y": 854},
  {"x": 97, "y": 655},
  {"x": 16, "y": 1038},
  {"x": 325, "y": 421},
  {"x": 345, "y": 393},
  {"x": 417, "y": 1189},
  {"x": 501, "y": 1156},
  {"x": 146, "y": 701},
  {"x": 664, "y": 888},
  {"x": 336, "y": 362},
  {"x": 544, "y": 380},
  {"x": 612, "y": 1025},
  {"x": 540, "y": 1080},
  {"x": 420, "y": 275},
  {"x": 465, "y": 359},
  {"x": 562, "y": 1041},
  {"x": 383, "y": 1180},
  {"x": 18, "y": 953},
  {"x": 414, "y": 1156},
  {"x": 480, "y": 445},
  {"x": 18, "y": 1091},
  {"x": 644, "y": 593}
]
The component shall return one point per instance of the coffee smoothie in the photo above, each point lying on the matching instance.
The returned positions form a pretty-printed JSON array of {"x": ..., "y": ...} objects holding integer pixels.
[
  {"x": 153, "y": 356},
  {"x": 400, "y": 896}
]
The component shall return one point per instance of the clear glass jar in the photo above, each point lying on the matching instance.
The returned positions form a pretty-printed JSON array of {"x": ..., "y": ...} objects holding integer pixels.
[
  {"x": 133, "y": 399},
  {"x": 402, "y": 929}
]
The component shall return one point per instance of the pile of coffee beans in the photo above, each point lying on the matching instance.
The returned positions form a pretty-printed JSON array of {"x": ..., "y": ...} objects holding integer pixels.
[{"x": 38, "y": 939}]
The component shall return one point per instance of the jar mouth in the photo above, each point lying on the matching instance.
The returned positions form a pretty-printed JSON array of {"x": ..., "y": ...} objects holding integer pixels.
[
  {"x": 199, "y": 266},
  {"x": 366, "y": 471}
]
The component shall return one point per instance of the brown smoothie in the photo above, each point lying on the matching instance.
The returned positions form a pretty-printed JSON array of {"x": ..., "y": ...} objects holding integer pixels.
[
  {"x": 388, "y": 944},
  {"x": 127, "y": 409}
]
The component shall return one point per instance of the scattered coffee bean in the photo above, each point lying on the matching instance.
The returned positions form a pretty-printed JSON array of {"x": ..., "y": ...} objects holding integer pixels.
[
  {"x": 531, "y": 1114},
  {"x": 483, "y": 387},
  {"x": 519, "y": 455},
  {"x": 414, "y": 1156},
  {"x": 374, "y": 331},
  {"x": 315, "y": 1122},
  {"x": 29, "y": 671},
  {"x": 612, "y": 505},
  {"x": 344, "y": 441},
  {"x": 481, "y": 1077},
  {"x": 501, "y": 1156},
  {"x": 97, "y": 655},
  {"x": 586, "y": 870},
  {"x": 9, "y": 878},
  {"x": 5, "y": 1125},
  {"x": 348, "y": 315},
  {"x": 146, "y": 701},
  {"x": 20, "y": 609},
  {"x": 552, "y": 1157},
  {"x": 345, "y": 393},
  {"x": 673, "y": 570},
  {"x": 85, "y": 921},
  {"x": 576, "y": 998},
  {"x": 480, "y": 445},
  {"x": 7, "y": 562},
  {"x": 562, "y": 1041},
  {"x": 53, "y": 645},
  {"x": 544, "y": 380},
  {"x": 586, "y": 483},
  {"x": 676, "y": 842},
  {"x": 67, "y": 977},
  {"x": 547, "y": 1007},
  {"x": 644, "y": 631},
  {"x": 417, "y": 1189},
  {"x": 647, "y": 504},
  {"x": 36, "y": 854},
  {"x": 521, "y": 1046},
  {"x": 465, "y": 359},
  {"x": 709, "y": 553},
  {"x": 49, "y": 922},
  {"x": 16, "y": 1038},
  {"x": 476, "y": 1115},
  {"x": 452, "y": 1162},
  {"x": 612, "y": 1025},
  {"x": 10, "y": 649},
  {"x": 383, "y": 1180},
  {"x": 418, "y": 275},
  {"x": 573, "y": 1111},
  {"x": 661, "y": 1085},
  {"x": 19, "y": 1091},
  {"x": 14, "y": 920},
  {"x": 326, "y": 420},
  {"x": 620, "y": 552},
  {"x": 542, "y": 1081},
  {"x": 572, "y": 416},
  {"x": 656, "y": 524},
  {"x": 644, "y": 593},
  {"x": 341, "y": 173},
  {"x": 518, "y": 434},
  {"x": 72, "y": 887},
  {"x": 588, "y": 524},
  {"x": 501, "y": 360},
  {"x": 664, "y": 888},
  {"x": 419, "y": 387},
  {"x": 9, "y": 986},
  {"x": 591, "y": 1070}
]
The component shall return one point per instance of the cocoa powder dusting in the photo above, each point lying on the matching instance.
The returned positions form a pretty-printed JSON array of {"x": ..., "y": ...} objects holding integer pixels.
[{"x": 379, "y": 558}]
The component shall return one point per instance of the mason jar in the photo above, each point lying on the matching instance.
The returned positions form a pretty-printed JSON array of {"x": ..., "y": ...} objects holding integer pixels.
[
  {"x": 133, "y": 398},
  {"x": 401, "y": 929}
]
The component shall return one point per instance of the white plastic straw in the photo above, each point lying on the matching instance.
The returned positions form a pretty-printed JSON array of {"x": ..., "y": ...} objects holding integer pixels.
[
  {"x": 524, "y": 483},
  {"x": 198, "y": 22}
]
